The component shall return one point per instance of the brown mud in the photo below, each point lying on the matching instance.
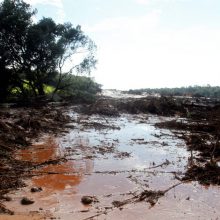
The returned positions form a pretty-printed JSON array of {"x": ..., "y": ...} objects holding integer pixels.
[
  {"x": 113, "y": 157},
  {"x": 18, "y": 128}
]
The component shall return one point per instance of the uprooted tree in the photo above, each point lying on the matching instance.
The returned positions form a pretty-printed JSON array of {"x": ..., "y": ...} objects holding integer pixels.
[{"x": 34, "y": 55}]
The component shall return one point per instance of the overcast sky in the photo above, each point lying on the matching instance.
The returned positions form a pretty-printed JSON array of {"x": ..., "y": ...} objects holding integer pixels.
[{"x": 147, "y": 43}]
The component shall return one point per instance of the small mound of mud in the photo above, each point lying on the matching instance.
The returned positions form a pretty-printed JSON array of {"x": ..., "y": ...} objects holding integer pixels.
[
  {"x": 103, "y": 107},
  {"x": 154, "y": 105}
]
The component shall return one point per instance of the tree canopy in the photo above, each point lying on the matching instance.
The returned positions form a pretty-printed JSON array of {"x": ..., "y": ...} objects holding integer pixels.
[{"x": 33, "y": 55}]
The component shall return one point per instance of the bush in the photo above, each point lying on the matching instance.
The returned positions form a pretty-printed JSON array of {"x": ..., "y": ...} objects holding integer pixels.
[{"x": 79, "y": 89}]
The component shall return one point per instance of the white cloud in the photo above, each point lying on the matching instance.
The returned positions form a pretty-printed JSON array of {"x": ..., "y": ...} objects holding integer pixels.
[
  {"x": 143, "y": 2},
  {"x": 138, "y": 53},
  {"x": 56, "y": 3},
  {"x": 132, "y": 24},
  {"x": 147, "y": 2}
]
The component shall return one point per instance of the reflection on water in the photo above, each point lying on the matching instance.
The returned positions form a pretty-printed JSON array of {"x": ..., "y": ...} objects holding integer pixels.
[
  {"x": 84, "y": 173},
  {"x": 58, "y": 181},
  {"x": 40, "y": 152},
  {"x": 57, "y": 177}
]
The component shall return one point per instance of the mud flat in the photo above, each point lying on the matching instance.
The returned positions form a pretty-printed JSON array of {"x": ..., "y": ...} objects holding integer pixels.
[{"x": 112, "y": 164}]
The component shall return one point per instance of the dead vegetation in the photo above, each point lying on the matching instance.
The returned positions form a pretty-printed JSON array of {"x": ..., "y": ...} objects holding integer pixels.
[
  {"x": 207, "y": 174},
  {"x": 201, "y": 132},
  {"x": 154, "y": 105}
]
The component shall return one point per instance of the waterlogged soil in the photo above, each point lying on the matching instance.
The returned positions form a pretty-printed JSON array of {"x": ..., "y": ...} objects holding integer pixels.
[{"x": 124, "y": 167}]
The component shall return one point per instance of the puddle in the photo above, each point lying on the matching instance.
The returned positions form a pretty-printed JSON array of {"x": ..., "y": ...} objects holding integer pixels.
[
  {"x": 40, "y": 152},
  {"x": 111, "y": 164}
]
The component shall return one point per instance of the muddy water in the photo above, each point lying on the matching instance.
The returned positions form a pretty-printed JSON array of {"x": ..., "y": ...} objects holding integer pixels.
[{"x": 111, "y": 164}]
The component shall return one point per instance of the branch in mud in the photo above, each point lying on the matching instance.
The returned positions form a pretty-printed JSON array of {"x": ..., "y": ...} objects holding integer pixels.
[
  {"x": 146, "y": 170},
  {"x": 24, "y": 167},
  {"x": 167, "y": 162},
  {"x": 148, "y": 196},
  {"x": 50, "y": 162},
  {"x": 28, "y": 175}
]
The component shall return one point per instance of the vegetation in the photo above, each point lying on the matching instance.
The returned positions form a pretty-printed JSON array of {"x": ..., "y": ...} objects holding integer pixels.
[
  {"x": 82, "y": 89},
  {"x": 196, "y": 91},
  {"x": 36, "y": 56}
]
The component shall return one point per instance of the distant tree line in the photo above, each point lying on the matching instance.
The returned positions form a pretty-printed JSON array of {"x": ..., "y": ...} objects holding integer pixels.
[
  {"x": 194, "y": 91},
  {"x": 38, "y": 58}
]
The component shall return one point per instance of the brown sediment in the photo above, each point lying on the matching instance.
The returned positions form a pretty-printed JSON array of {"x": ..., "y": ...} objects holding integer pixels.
[
  {"x": 4, "y": 210},
  {"x": 51, "y": 171},
  {"x": 153, "y": 105},
  {"x": 62, "y": 175},
  {"x": 22, "y": 217},
  {"x": 39, "y": 152},
  {"x": 18, "y": 128}
]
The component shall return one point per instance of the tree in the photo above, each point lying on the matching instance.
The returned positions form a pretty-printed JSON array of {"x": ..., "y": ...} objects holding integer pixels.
[
  {"x": 15, "y": 18},
  {"x": 81, "y": 89},
  {"x": 33, "y": 55}
]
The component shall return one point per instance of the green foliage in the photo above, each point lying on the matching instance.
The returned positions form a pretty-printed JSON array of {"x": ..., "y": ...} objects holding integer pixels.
[
  {"x": 48, "y": 89},
  {"x": 80, "y": 88},
  {"x": 15, "y": 18},
  {"x": 33, "y": 55},
  {"x": 195, "y": 91}
]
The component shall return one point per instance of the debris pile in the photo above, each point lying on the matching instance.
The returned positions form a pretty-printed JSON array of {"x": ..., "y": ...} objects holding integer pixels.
[{"x": 201, "y": 132}]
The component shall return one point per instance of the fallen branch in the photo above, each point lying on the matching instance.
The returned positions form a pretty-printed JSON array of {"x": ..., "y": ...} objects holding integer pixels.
[
  {"x": 167, "y": 162},
  {"x": 49, "y": 162},
  {"x": 147, "y": 195}
]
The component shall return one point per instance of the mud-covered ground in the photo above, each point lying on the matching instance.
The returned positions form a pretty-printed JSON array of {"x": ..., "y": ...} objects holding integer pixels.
[
  {"x": 152, "y": 157},
  {"x": 19, "y": 127}
]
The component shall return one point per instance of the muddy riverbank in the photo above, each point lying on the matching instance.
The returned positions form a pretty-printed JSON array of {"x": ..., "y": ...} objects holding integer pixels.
[{"x": 116, "y": 158}]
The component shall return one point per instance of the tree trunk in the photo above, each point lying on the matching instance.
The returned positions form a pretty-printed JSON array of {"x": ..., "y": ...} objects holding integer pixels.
[{"x": 40, "y": 90}]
